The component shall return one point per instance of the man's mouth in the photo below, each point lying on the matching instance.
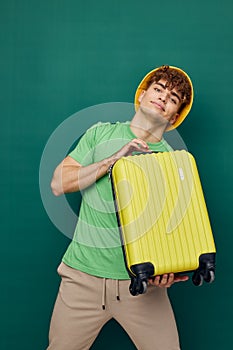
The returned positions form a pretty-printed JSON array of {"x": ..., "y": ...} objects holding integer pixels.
[{"x": 160, "y": 106}]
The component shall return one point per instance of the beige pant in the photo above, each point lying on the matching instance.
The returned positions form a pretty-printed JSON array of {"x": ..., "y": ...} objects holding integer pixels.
[{"x": 85, "y": 303}]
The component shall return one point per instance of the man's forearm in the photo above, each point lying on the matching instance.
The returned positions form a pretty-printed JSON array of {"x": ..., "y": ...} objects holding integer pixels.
[
  {"x": 70, "y": 176},
  {"x": 91, "y": 173}
]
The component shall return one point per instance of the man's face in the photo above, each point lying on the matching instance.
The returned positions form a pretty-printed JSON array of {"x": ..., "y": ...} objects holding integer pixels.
[{"x": 161, "y": 101}]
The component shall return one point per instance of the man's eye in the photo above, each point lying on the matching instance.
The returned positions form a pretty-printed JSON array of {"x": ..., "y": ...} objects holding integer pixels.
[
  {"x": 173, "y": 101},
  {"x": 157, "y": 89}
]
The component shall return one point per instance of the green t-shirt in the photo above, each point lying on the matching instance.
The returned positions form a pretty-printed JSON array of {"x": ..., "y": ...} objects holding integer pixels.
[{"x": 96, "y": 245}]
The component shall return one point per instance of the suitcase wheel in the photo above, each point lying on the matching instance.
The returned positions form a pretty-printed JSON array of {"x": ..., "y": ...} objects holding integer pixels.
[
  {"x": 144, "y": 287},
  {"x": 139, "y": 277},
  {"x": 206, "y": 269},
  {"x": 137, "y": 286},
  {"x": 197, "y": 279},
  {"x": 210, "y": 277},
  {"x": 200, "y": 276}
]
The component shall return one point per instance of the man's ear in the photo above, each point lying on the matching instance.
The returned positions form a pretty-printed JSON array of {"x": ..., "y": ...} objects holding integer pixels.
[
  {"x": 141, "y": 95},
  {"x": 174, "y": 118}
]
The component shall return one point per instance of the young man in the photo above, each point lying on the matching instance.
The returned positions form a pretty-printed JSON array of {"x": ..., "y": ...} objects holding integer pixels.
[{"x": 95, "y": 283}]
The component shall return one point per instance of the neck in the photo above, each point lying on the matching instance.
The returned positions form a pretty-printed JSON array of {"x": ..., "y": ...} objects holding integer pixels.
[{"x": 147, "y": 128}]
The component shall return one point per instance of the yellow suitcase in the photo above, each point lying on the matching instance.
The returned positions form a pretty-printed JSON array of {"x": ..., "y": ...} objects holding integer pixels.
[{"x": 162, "y": 217}]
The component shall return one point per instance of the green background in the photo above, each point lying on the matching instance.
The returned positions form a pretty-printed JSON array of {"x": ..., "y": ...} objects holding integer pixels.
[{"x": 58, "y": 57}]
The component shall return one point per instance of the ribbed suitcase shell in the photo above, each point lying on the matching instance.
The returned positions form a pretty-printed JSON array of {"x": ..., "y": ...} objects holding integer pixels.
[{"x": 161, "y": 211}]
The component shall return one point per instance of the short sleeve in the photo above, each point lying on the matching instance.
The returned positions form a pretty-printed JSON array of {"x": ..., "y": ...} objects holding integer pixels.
[{"x": 83, "y": 152}]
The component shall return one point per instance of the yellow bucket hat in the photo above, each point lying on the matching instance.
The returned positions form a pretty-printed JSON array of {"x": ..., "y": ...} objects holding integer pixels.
[{"x": 144, "y": 85}]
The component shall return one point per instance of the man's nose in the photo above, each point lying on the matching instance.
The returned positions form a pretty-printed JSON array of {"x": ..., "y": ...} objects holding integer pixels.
[{"x": 163, "y": 97}]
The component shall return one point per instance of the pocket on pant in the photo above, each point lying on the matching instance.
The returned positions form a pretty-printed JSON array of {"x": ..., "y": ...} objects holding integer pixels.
[
  {"x": 59, "y": 269},
  {"x": 64, "y": 270},
  {"x": 78, "y": 289}
]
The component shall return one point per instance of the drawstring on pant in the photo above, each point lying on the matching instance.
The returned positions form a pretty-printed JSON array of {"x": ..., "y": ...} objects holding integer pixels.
[
  {"x": 117, "y": 292},
  {"x": 104, "y": 293}
]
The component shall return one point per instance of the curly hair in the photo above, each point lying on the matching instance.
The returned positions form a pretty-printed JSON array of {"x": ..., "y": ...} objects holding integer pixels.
[{"x": 175, "y": 79}]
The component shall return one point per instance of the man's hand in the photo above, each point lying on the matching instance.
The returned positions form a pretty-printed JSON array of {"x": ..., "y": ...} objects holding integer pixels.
[
  {"x": 167, "y": 280},
  {"x": 136, "y": 145}
]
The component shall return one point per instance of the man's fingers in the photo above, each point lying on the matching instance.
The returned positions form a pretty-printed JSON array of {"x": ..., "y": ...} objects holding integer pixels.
[
  {"x": 181, "y": 278},
  {"x": 163, "y": 280},
  {"x": 170, "y": 279},
  {"x": 140, "y": 143},
  {"x": 167, "y": 280}
]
